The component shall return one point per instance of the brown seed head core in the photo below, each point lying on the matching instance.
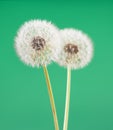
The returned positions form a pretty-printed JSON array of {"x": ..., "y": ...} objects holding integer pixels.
[
  {"x": 71, "y": 49},
  {"x": 38, "y": 43}
]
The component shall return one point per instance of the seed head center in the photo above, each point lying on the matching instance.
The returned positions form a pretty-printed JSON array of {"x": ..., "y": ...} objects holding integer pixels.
[
  {"x": 71, "y": 49},
  {"x": 38, "y": 43}
]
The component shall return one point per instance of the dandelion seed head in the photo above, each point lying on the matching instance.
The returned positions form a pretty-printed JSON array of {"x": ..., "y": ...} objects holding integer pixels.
[
  {"x": 76, "y": 49},
  {"x": 37, "y": 43}
]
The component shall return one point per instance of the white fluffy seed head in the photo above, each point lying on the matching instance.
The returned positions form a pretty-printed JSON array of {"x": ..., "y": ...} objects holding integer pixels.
[
  {"x": 37, "y": 43},
  {"x": 76, "y": 49}
]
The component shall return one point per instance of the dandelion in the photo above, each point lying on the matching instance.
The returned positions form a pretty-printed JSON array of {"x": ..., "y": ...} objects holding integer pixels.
[
  {"x": 76, "y": 52},
  {"x": 37, "y": 43},
  {"x": 76, "y": 49}
]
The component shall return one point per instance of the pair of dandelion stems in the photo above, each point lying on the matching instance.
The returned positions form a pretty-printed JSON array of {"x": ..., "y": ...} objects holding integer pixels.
[
  {"x": 51, "y": 98},
  {"x": 66, "y": 114}
]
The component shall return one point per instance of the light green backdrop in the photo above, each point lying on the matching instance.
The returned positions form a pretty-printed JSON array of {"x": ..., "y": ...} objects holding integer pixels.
[{"x": 24, "y": 101}]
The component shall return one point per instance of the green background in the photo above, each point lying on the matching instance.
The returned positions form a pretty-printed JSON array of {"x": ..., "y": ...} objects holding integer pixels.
[{"x": 24, "y": 101}]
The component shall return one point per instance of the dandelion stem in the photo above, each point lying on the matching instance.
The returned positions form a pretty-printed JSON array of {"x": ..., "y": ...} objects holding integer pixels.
[
  {"x": 66, "y": 115},
  {"x": 51, "y": 98}
]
